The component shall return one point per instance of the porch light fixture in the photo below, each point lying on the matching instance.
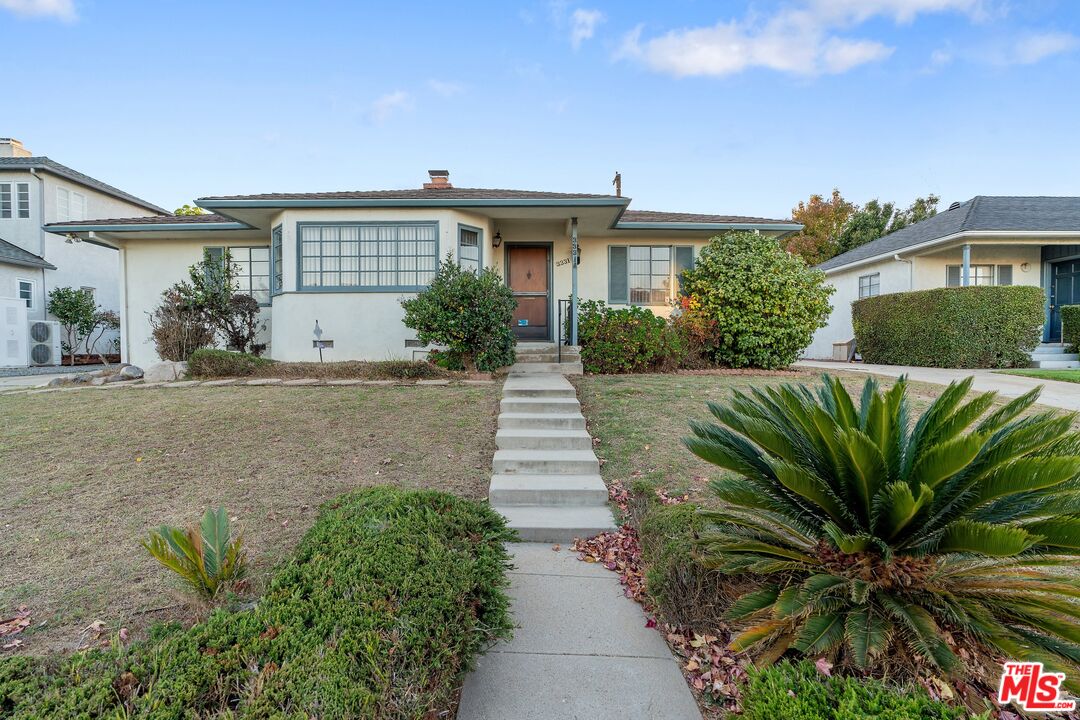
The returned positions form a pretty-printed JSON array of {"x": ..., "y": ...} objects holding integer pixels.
[{"x": 497, "y": 240}]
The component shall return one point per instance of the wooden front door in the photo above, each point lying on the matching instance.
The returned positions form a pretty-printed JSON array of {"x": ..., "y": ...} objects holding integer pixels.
[{"x": 527, "y": 274}]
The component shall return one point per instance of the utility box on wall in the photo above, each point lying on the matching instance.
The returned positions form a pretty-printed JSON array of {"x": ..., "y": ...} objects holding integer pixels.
[{"x": 13, "y": 333}]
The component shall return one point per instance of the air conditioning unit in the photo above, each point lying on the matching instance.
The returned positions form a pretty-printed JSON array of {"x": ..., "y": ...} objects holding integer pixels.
[{"x": 45, "y": 342}]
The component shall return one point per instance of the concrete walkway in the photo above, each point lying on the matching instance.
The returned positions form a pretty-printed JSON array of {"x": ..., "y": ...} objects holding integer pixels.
[
  {"x": 580, "y": 650},
  {"x": 1064, "y": 395}
]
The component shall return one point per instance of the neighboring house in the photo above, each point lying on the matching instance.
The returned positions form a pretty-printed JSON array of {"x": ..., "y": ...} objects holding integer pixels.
[
  {"x": 35, "y": 191},
  {"x": 988, "y": 240},
  {"x": 346, "y": 259}
]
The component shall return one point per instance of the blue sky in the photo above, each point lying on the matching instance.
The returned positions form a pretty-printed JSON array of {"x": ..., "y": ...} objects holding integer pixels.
[{"x": 726, "y": 107}]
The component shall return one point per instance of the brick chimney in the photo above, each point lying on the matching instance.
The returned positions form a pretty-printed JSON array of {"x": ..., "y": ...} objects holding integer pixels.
[
  {"x": 10, "y": 147},
  {"x": 440, "y": 180}
]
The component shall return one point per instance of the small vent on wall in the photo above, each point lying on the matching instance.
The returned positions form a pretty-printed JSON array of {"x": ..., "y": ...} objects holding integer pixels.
[{"x": 413, "y": 343}]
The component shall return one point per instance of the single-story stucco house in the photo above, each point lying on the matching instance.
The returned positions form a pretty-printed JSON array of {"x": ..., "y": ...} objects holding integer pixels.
[
  {"x": 988, "y": 240},
  {"x": 345, "y": 259}
]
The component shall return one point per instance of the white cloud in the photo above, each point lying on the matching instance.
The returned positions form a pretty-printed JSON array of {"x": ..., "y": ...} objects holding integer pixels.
[
  {"x": 385, "y": 107},
  {"x": 583, "y": 25},
  {"x": 798, "y": 39},
  {"x": 63, "y": 10},
  {"x": 1030, "y": 49},
  {"x": 444, "y": 88}
]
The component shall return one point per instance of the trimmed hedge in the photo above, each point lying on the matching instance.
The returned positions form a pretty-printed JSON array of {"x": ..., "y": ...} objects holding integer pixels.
[
  {"x": 1070, "y": 325},
  {"x": 968, "y": 327},
  {"x": 800, "y": 691},
  {"x": 383, "y": 607},
  {"x": 208, "y": 362}
]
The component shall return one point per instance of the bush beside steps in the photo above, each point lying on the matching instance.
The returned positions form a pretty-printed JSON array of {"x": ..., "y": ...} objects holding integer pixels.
[
  {"x": 208, "y": 364},
  {"x": 383, "y": 607}
]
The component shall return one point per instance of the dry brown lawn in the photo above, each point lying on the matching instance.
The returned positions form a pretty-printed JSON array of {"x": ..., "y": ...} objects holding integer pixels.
[{"x": 85, "y": 474}]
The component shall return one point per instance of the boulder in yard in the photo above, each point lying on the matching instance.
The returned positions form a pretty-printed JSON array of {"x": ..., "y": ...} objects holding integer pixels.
[
  {"x": 167, "y": 371},
  {"x": 58, "y": 381},
  {"x": 130, "y": 372}
]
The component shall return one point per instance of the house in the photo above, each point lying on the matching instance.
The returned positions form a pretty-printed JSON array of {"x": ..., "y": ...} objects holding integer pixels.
[
  {"x": 345, "y": 259},
  {"x": 34, "y": 191},
  {"x": 988, "y": 240}
]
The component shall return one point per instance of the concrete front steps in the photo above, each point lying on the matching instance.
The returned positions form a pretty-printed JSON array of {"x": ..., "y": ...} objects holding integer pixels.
[
  {"x": 1054, "y": 356},
  {"x": 535, "y": 357},
  {"x": 546, "y": 478}
]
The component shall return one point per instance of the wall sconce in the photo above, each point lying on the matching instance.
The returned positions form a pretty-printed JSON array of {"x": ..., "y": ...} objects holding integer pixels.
[
  {"x": 1024, "y": 267},
  {"x": 497, "y": 240}
]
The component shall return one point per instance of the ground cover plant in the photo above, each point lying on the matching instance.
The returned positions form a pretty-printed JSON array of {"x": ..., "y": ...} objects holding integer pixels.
[
  {"x": 384, "y": 605},
  {"x": 209, "y": 363},
  {"x": 939, "y": 547},
  {"x": 81, "y": 468}
]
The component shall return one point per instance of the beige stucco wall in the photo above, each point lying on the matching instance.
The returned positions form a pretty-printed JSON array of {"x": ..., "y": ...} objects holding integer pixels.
[{"x": 924, "y": 273}]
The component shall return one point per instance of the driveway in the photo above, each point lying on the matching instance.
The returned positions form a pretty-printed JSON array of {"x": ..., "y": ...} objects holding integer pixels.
[{"x": 1055, "y": 393}]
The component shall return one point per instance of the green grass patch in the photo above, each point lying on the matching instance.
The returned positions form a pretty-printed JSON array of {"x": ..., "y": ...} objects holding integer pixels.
[
  {"x": 1062, "y": 375},
  {"x": 383, "y": 607}
]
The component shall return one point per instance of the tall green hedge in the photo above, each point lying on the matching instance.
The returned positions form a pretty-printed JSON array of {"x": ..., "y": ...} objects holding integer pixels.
[
  {"x": 1070, "y": 325},
  {"x": 380, "y": 611},
  {"x": 970, "y": 327}
]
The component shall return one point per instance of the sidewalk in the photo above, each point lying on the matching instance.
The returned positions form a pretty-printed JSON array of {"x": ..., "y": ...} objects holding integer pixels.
[
  {"x": 580, "y": 651},
  {"x": 1063, "y": 395}
]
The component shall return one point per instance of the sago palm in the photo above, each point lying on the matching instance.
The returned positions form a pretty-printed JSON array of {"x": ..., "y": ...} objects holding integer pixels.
[
  {"x": 206, "y": 557},
  {"x": 876, "y": 535}
]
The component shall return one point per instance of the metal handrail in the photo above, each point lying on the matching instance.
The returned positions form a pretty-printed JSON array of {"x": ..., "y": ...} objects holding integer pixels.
[{"x": 559, "y": 338}]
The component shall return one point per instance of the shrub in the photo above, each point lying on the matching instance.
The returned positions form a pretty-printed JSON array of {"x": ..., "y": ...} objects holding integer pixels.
[
  {"x": 380, "y": 611},
  {"x": 700, "y": 336},
  {"x": 800, "y": 691},
  {"x": 77, "y": 313},
  {"x": 879, "y": 542},
  {"x": 233, "y": 315},
  {"x": 767, "y": 304},
  {"x": 177, "y": 325},
  {"x": 210, "y": 363},
  {"x": 966, "y": 327},
  {"x": 1070, "y": 325},
  {"x": 625, "y": 340},
  {"x": 206, "y": 556},
  {"x": 469, "y": 313}
]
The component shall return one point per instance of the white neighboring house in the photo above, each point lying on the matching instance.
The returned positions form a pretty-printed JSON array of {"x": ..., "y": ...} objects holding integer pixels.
[
  {"x": 35, "y": 190},
  {"x": 988, "y": 240}
]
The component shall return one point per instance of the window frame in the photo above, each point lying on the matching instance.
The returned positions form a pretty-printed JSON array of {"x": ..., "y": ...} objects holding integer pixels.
[
  {"x": 7, "y": 189},
  {"x": 21, "y": 189},
  {"x": 479, "y": 245},
  {"x": 974, "y": 275},
  {"x": 873, "y": 285},
  {"x": 66, "y": 194},
  {"x": 31, "y": 302},
  {"x": 302, "y": 288},
  {"x": 277, "y": 244},
  {"x": 227, "y": 250},
  {"x": 673, "y": 274}
]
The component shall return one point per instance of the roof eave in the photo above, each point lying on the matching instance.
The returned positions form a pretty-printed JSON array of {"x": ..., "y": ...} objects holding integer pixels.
[
  {"x": 69, "y": 228},
  {"x": 118, "y": 194},
  {"x": 223, "y": 204},
  {"x": 783, "y": 227},
  {"x": 43, "y": 265}
]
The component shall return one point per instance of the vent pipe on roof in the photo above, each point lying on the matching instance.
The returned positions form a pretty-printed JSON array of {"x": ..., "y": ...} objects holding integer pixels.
[
  {"x": 10, "y": 147},
  {"x": 440, "y": 180},
  {"x": 617, "y": 182}
]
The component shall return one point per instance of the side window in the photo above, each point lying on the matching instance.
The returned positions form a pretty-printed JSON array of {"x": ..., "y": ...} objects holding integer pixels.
[
  {"x": 869, "y": 285},
  {"x": 469, "y": 248},
  {"x": 276, "y": 274},
  {"x": 26, "y": 292},
  {"x": 5, "y": 201},
  {"x": 63, "y": 205}
]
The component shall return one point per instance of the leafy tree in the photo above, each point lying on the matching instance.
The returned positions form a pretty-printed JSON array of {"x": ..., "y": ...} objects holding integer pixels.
[
  {"x": 77, "y": 313},
  {"x": 766, "y": 303},
  {"x": 823, "y": 221},
  {"x": 883, "y": 543},
  {"x": 468, "y": 312},
  {"x": 186, "y": 209},
  {"x": 876, "y": 219},
  {"x": 104, "y": 320}
]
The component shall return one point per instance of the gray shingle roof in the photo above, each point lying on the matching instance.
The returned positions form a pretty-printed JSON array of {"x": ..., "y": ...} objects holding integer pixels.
[
  {"x": 421, "y": 194},
  {"x": 15, "y": 255},
  {"x": 150, "y": 220},
  {"x": 653, "y": 216},
  {"x": 44, "y": 163},
  {"x": 982, "y": 213}
]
